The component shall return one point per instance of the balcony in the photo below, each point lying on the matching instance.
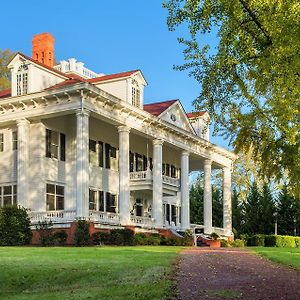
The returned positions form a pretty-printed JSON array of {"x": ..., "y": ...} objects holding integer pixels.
[
  {"x": 104, "y": 217},
  {"x": 142, "y": 221},
  {"x": 143, "y": 180},
  {"x": 62, "y": 216}
]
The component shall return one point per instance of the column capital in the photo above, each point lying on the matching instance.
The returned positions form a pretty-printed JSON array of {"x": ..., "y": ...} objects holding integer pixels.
[
  {"x": 82, "y": 112},
  {"x": 185, "y": 153},
  {"x": 207, "y": 162},
  {"x": 157, "y": 142},
  {"x": 123, "y": 128},
  {"x": 22, "y": 121}
]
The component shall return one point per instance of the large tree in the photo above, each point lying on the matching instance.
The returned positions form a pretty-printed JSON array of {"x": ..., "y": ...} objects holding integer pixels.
[
  {"x": 5, "y": 56},
  {"x": 251, "y": 80}
]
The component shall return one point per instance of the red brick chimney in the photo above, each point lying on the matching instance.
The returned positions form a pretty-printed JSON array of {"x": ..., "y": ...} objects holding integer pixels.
[{"x": 43, "y": 48}]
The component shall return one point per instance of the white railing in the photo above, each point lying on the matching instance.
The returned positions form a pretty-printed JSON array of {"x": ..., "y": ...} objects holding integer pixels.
[
  {"x": 142, "y": 221},
  {"x": 141, "y": 175},
  {"x": 53, "y": 216},
  {"x": 170, "y": 180},
  {"x": 104, "y": 217}
]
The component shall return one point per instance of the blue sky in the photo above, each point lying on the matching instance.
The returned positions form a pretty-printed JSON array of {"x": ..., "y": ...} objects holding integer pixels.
[{"x": 109, "y": 37}]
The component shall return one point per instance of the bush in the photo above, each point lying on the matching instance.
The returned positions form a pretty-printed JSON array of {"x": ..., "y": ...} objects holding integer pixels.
[
  {"x": 225, "y": 243},
  {"x": 60, "y": 238},
  {"x": 297, "y": 242},
  {"x": 14, "y": 226},
  {"x": 214, "y": 236},
  {"x": 82, "y": 234},
  {"x": 281, "y": 241},
  {"x": 44, "y": 229},
  {"x": 256, "y": 240},
  {"x": 121, "y": 237},
  {"x": 238, "y": 243},
  {"x": 100, "y": 238},
  {"x": 152, "y": 239}
]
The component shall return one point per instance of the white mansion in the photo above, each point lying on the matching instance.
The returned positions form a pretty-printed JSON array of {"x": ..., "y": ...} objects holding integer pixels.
[{"x": 77, "y": 144}]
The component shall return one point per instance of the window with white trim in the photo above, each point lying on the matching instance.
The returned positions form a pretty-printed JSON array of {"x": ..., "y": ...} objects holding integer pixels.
[
  {"x": 136, "y": 94},
  {"x": 55, "y": 197},
  {"x": 22, "y": 80},
  {"x": 96, "y": 153},
  {"x": 1, "y": 142},
  {"x": 96, "y": 200},
  {"x": 55, "y": 145},
  {"x": 8, "y": 195}
]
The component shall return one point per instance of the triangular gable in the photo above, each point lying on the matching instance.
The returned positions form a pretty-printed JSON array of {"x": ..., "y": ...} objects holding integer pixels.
[{"x": 176, "y": 115}]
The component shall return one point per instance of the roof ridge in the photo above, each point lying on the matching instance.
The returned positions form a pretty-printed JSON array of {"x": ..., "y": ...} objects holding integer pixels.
[
  {"x": 114, "y": 75},
  {"x": 153, "y": 103}
]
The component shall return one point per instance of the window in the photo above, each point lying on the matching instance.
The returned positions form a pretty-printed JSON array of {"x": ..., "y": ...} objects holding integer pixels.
[
  {"x": 22, "y": 80},
  {"x": 136, "y": 95},
  {"x": 14, "y": 140},
  {"x": 139, "y": 162},
  {"x": 100, "y": 154},
  {"x": 110, "y": 153},
  {"x": 55, "y": 195},
  {"x": 111, "y": 203},
  {"x": 131, "y": 162},
  {"x": 8, "y": 195},
  {"x": 1, "y": 142},
  {"x": 55, "y": 145},
  {"x": 139, "y": 208},
  {"x": 173, "y": 171},
  {"x": 96, "y": 200},
  {"x": 93, "y": 157},
  {"x": 173, "y": 214}
]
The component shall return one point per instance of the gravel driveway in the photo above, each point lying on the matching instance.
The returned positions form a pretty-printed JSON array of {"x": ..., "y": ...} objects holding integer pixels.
[{"x": 204, "y": 273}]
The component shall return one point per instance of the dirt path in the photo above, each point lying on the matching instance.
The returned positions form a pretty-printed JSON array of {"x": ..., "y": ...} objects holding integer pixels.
[{"x": 205, "y": 273}]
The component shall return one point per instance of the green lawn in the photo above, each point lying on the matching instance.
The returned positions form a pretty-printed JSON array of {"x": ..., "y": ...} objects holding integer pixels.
[
  {"x": 286, "y": 256},
  {"x": 85, "y": 273}
]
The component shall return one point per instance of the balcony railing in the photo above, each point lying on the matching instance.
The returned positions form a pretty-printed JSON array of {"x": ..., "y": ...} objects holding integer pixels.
[
  {"x": 147, "y": 175},
  {"x": 142, "y": 221},
  {"x": 53, "y": 216},
  {"x": 104, "y": 217}
]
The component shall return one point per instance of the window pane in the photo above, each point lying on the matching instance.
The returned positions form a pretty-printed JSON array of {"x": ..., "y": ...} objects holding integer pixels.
[
  {"x": 54, "y": 138},
  {"x": 92, "y": 200},
  {"x": 7, "y": 190},
  {"x": 110, "y": 203},
  {"x": 107, "y": 156},
  {"x": 50, "y": 202},
  {"x": 62, "y": 147},
  {"x": 59, "y": 203},
  {"x": 101, "y": 200},
  {"x": 60, "y": 190},
  {"x": 51, "y": 188},
  {"x": 7, "y": 200},
  {"x": 48, "y": 143},
  {"x": 100, "y": 154}
]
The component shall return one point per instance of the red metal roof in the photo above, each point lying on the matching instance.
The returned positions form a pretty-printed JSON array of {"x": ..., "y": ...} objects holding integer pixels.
[
  {"x": 5, "y": 93},
  {"x": 64, "y": 83},
  {"x": 157, "y": 108},
  {"x": 112, "y": 76},
  {"x": 195, "y": 114}
]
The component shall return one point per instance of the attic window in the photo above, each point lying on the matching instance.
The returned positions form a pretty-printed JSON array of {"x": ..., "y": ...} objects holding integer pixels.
[
  {"x": 22, "y": 80},
  {"x": 136, "y": 95}
]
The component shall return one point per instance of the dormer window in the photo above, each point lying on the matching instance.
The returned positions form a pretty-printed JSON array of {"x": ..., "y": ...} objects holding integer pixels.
[
  {"x": 136, "y": 94},
  {"x": 22, "y": 80}
]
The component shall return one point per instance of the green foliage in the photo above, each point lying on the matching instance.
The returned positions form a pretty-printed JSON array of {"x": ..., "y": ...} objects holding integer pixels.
[
  {"x": 121, "y": 237},
  {"x": 100, "y": 238},
  {"x": 280, "y": 241},
  {"x": 256, "y": 240},
  {"x": 60, "y": 237},
  {"x": 5, "y": 57},
  {"x": 225, "y": 243},
  {"x": 238, "y": 243},
  {"x": 214, "y": 236},
  {"x": 249, "y": 80},
  {"x": 14, "y": 226},
  {"x": 196, "y": 204},
  {"x": 45, "y": 231},
  {"x": 82, "y": 234},
  {"x": 152, "y": 239}
]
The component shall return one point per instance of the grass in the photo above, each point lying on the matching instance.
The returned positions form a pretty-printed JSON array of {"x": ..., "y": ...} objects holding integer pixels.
[
  {"x": 286, "y": 256},
  {"x": 86, "y": 273}
]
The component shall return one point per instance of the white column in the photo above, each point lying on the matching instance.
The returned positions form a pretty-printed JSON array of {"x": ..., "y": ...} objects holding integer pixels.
[
  {"x": 207, "y": 197},
  {"x": 185, "y": 193},
  {"x": 124, "y": 188},
  {"x": 82, "y": 164},
  {"x": 157, "y": 183},
  {"x": 22, "y": 162},
  {"x": 227, "y": 210}
]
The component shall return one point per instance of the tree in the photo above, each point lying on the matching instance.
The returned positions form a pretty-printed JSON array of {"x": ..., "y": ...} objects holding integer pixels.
[
  {"x": 5, "y": 56},
  {"x": 196, "y": 204},
  {"x": 287, "y": 213},
  {"x": 250, "y": 81},
  {"x": 237, "y": 214},
  {"x": 217, "y": 207}
]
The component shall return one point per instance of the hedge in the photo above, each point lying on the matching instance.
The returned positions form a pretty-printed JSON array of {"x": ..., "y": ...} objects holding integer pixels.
[{"x": 281, "y": 241}]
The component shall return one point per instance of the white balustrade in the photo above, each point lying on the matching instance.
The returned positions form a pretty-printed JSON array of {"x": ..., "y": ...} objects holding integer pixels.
[
  {"x": 53, "y": 216},
  {"x": 142, "y": 221},
  {"x": 170, "y": 180},
  {"x": 141, "y": 175},
  {"x": 104, "y": 217}
]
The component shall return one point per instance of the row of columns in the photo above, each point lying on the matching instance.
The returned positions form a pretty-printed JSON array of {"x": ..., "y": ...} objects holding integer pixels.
[{"x": 227, "y": 215}]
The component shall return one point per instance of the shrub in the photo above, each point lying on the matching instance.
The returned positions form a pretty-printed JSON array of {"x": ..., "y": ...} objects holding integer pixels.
[
  {"x": 100, "y": 238},
  {"x": 60, "y": 237},
  {"x": 153, "y": 239},
  {"x": 44, "y": 229},
  {"x": 281, "y": 241},
  {"x": 82, "y": 234},
  {"x": 122, "y": 237},
  {"x": 238, "y": 243},
  {"x": 297, "y": 242},
  {"x": 256, "y": 240},
  {"x": 225, "y": 243},
  {"x": 176, "y": 241},
  {"x": 214, "y": 236},
  {"x": 14, "y": 226}
]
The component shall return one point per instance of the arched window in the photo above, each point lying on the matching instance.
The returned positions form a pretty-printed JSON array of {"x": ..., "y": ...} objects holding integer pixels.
[
  {"x": 136, "y": 94},
  {"x": 22, "y": 80}
]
